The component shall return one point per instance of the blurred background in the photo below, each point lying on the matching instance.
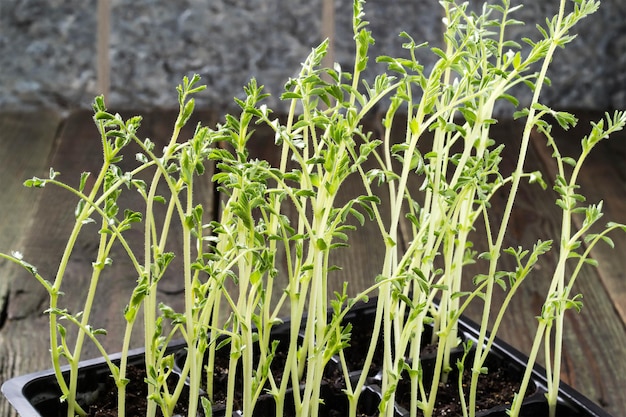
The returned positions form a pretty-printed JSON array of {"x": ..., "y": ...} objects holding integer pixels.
[{"x": 59, "y": 54}]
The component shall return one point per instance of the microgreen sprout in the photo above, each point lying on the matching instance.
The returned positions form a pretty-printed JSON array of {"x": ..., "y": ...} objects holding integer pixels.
[{"x": 434, "y": 163}]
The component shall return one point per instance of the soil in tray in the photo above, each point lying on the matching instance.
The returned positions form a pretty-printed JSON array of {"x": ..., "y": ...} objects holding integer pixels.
[
  {"x": 221, "y": 372},
  {"x": 495, "y": 389},
  {"x": 136, "y": 392}
]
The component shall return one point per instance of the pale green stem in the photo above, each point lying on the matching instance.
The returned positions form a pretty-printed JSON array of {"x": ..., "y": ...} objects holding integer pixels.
[
  {"x": 56, "y": 288},
  {"x": 515, "y": 411},
  {"x": 150, "y": 303}
]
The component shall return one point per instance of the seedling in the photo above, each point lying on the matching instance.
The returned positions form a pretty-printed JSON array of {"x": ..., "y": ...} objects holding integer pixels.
[{"x": 439, "y": 170}]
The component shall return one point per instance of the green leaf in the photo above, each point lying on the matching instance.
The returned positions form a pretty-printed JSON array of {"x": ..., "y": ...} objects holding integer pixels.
[
  {"x": 186, "y": 113},
  {"x": 536, "y": 177},
  {"x": 517, "y": 60},
  {"x": 511, "y": 99},
  {"x": 389, "y": 241},
  {"x": 103, "y": 115},
  {"x": 35, "y": 183},
  {"x": 569, "y": 161},
  {"x": 206, "y": 406},
  {"x": 83, "y": 181},
  {"x": 61, "y": 330},
  {"x": 159, "y": 199},
  {"x": 358, "y": 216}
]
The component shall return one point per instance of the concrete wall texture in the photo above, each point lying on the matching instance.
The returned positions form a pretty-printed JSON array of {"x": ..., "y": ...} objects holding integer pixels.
[{"x": 48, "y": 48}]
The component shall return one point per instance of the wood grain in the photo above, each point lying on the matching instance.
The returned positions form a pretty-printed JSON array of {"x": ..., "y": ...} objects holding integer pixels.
[
  {"x": 596, "y": 338},
  {"x": 23, "y": 336},
  {"x": 37, "y": 222},
  {"x": 603, "y": 178},
  {"x": 26, "y": 140}
]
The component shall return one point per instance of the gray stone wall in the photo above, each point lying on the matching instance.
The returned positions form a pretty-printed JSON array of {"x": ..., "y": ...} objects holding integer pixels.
[{"x": 48, "y": 48}]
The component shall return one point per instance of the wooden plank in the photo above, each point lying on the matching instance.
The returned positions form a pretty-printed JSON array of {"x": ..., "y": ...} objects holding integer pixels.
[
  {"x": 603, "y": 178},
  {"x": 593, "y": 368},
  {"x": 78, "y": 150},
  {"x": 26, "y": 140},
  {"x": 535, "y": 216},
  {"x": 597, "y": 337}
]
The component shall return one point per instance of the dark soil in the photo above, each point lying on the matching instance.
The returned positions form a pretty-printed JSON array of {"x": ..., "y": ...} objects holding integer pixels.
[
  {"x": 496, "y": 388},
  {"x": 221, "y": 371},
  {"x": 136, "y": 393}
]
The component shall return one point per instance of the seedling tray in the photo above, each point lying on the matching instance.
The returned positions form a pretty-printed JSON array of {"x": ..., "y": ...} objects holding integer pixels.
[{"x": 37, "y": 394}]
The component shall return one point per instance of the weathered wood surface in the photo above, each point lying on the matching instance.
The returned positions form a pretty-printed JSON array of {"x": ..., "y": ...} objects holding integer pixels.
[{"x": 37, "y": 223}]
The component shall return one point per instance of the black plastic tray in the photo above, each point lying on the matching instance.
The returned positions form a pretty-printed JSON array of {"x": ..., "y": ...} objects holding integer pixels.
[{"x": 37, "y": 395}]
